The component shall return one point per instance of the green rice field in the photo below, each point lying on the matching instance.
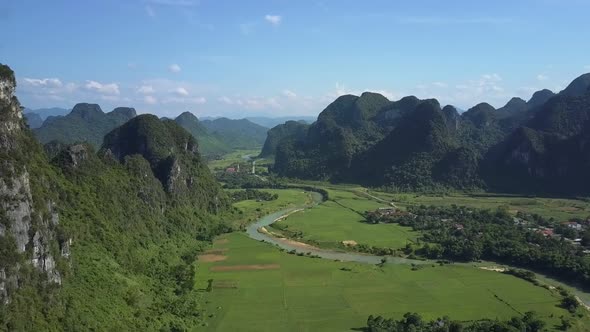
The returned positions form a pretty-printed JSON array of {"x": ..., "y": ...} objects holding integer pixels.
[{"x": 256, "y": 287}]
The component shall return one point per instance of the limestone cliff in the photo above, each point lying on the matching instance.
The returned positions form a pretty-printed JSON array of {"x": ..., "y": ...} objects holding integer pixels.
[{"x": 28, "y": 222}]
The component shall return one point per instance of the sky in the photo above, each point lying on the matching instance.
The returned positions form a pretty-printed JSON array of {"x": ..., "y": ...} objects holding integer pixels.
[{"x": 288, "y": 57}]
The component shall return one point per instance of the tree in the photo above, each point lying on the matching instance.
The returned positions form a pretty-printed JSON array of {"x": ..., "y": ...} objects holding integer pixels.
[
  {"x": 565, "y": 324},
  {"x": 570, "y": 303}
]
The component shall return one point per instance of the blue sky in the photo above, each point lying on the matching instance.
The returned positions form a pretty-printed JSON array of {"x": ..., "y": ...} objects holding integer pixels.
[{"x": 287, "y": 57}]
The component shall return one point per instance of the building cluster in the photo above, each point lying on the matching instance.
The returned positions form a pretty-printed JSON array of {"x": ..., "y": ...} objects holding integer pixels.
[
  {"x": 578, "y": 226},
  {"x": 236, "y": 169}
]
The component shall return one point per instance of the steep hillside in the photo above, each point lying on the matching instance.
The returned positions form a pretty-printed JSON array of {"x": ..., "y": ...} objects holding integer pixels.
[
  {"x": 407, "y": 156},
  {"x": 347, "y": 127},
  {"x": 32, "y": 242},
  {"x": 237, "y": 134},
  {"x": 173, "y": 156},
  {"x": 577, "y": 87},
  {"x": 549, "y": 154},
  {"x": 86, "y": 123},
  {"x": 539, "y": 145},
  {"x": 209, "y": 145},
  {"x": 102, "y": 243},
  {"x": 290, "y": 130}
]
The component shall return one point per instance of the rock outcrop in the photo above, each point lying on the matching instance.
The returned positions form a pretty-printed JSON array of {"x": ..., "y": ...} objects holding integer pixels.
[{"x": 27, "y": 222}]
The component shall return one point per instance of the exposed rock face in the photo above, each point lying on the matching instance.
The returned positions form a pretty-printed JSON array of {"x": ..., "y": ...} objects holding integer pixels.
[
  {"x": 74, "y": 155},
  {"x": 22, "y": 227}
]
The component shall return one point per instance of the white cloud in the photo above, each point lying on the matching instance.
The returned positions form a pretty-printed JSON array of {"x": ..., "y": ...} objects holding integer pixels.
[
  {"x": 70, "y": 87},
  {"x": 185, "y": 101},
  {"x": 440, "y": 84},
  {"x": 273, "y": 19},
  {"x": 491, "y": 77},
  {"x": 150, "y": 100},
  {"x": 587, "y": 67},
  {"x": 181, "y": 92},
  {"x": 225, "y": 100},
  {"x": 110, "y": 98},
  {"x": 146, "y": 89},
  {"x": 108, "y": 89},
  {"x": 198, "y": 100},
  {"x": 260, "y": 103},
  {"x": 44, "y": 82},
  {"x": 150, "y": 11},
  {"x": 174, "y": 68},
  {"x": 341, "y": 90},
  {"x": 542, "y": 77},
  {"x": 289, "y": 94}
]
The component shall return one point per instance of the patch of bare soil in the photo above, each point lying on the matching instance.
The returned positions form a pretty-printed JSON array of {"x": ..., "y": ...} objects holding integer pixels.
[
  {"x": 493, "y": 268},
  {"x": 220, "y": 241},
  {"x": 216, "y": 251},
  {"x": 208, "y": 258},
  {"x": 297, "y": 244}
]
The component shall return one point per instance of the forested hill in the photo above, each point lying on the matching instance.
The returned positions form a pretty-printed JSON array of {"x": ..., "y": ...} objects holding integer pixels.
[
  {"x": 237, "y": 134},
  {"x": 209, "y": 145},
  {"x": 173, "y": 156},
  {"x": 85, "y": 123},
  {"x": 290, "y": 130},
  {"x": 102, "y": 241},
  {"x": 539, "y": 145},
  {"x": 273, "y": 122}
]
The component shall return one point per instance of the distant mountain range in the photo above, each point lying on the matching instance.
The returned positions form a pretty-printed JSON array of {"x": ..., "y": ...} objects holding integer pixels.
[
  {"x": 85, "y": 123},
  {"x": 88, "y": 123},
  {"x": 44, "y": 113},
  {"x": 34, "y": 120},
  {"x": 209, "y": 144},
  {"x": 272, "y": 122},
  {"x": 237, "y": 134},
  {"x": 539, "y": 145}
]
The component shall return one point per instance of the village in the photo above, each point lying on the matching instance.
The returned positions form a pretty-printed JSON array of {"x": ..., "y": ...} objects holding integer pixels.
[{"x": 575, "y": 231}]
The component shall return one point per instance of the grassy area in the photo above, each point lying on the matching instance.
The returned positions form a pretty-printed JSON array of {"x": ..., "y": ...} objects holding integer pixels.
[
  {"x": 292, "y": 293},
  {"x": 251, "y": 210},
  {"x": 240, "y": 156},
  {"x": 558, "y": 208},
  {"x": 340, "y": 219}
]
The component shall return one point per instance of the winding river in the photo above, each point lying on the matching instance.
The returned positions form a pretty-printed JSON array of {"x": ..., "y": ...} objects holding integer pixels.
[
  {"x": 254, "y": 233},
  {"x": 289, "y": 245}
]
